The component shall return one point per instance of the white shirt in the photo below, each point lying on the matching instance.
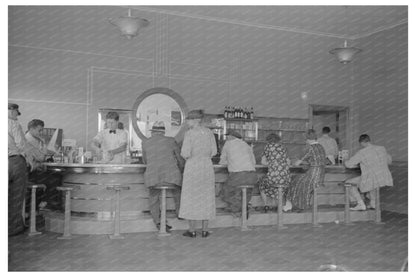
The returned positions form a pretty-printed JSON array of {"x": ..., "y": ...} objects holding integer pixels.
[
  {"x": 329, "y": 144},
  {"x": 112, "y": 141},
  {"x": 238, "y": 156},
  {"x": 17, "y": 141}
]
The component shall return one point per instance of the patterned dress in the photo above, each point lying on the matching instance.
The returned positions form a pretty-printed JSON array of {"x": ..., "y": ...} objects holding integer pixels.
[
  {"x": 278, "y": 169},
  {"x": 198, "y": 186},
  {"x": 300, "y": 192}
]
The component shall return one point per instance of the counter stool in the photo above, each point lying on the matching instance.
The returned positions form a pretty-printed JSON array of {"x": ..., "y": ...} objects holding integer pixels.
[
  {"x": 163, "y": 187},
  {"x": 33, "y": 187},
  {"x": 117, "y": 188},
  {"x": 347, "y": 215},
  {"x": 244, "y": 206},
  {"x": 67, "y": 218},
  {"x": 315, "y": 219},
  {"x": 348, "y": 186},
  {"x": 378, "y": 209},
  {"x": 280, "y": 225}
]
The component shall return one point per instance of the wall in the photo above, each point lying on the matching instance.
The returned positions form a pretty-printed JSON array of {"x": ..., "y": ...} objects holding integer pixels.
[
  {"x": 381, "y": 87},
  {"x": 67, "y": 62}
]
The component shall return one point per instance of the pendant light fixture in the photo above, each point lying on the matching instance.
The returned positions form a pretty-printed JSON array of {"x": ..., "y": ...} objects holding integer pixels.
[
  {"x": 129, "y": 25},
  {"x": 345, "y": 54}
]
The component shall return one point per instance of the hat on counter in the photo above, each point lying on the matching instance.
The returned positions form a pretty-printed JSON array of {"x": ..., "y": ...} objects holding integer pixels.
[
  {"x": 195, "y": 114},
  {"x": 13, "y": 106},
  {"x": 158, "y": 126},
  {"x": 234, "y": 134}
]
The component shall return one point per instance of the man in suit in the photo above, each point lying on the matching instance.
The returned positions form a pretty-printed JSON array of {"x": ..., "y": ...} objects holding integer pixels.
[
  {"x": 17, "y": 171},
  {"x": 164, "y": 163},
  {"x": 375, "y": 173}
]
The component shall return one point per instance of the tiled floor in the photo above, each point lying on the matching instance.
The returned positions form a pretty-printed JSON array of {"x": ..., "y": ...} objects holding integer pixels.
[{"x": 362, "y": 247}]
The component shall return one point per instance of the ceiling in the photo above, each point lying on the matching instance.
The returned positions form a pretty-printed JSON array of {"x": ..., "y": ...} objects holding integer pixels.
[{"x": 334, "y": 21}]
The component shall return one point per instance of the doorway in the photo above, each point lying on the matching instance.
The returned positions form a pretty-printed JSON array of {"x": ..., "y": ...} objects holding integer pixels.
[{"x": 336, "y": 118}]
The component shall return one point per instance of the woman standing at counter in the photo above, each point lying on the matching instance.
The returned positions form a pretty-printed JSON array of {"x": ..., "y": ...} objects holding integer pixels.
[
  {"x": 111, "y": 143},
  {"x": 198, "y": 187},
  {"x": 300, "y": 192}
]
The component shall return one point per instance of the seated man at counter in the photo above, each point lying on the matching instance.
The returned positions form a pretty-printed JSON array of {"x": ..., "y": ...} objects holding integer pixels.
[
  {"x": 375, "y": 173},
  {"x": 329, "y": 144},
  {"x": 164, "y": 163},
  {"x": 110, "y": 144},
  {"x": 37, "y": 153},
  {"x": 240, "y": 160}
]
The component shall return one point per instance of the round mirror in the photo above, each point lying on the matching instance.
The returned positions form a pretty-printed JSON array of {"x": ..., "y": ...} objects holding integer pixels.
[{"x": 158, "y": 104}]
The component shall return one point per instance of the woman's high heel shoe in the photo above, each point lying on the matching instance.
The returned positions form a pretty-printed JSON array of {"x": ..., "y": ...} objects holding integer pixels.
[
  {"x": 205, "y": 234},
  {"x": 266, "y": 209},
  {"x": 189, "y": 234}
]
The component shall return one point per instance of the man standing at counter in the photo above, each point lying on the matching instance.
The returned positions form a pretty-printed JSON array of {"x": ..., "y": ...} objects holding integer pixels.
[
  {"x": 375, "y": 173},
  {"x": 110, "y": 144},
  {"x": 17, "y": 172},
  {"x": 240, "y": 160},
  {"x": 162, "y": 156}
]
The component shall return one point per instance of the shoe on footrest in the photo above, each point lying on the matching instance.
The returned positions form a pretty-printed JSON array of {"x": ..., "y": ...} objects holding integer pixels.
[
  {"x": 359, "y": 207},
  {"x": 205, "y": 234},
  {"x": 189, "y": 234}
]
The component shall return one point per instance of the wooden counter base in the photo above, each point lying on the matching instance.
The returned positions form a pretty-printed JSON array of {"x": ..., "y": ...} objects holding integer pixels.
[{"x": 91, "y": 205}]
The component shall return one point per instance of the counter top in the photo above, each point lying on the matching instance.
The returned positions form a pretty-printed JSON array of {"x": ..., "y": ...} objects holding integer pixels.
[{"x": 140, "y": 168}]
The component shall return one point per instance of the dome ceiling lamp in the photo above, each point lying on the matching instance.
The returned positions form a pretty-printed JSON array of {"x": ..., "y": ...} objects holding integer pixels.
[
  {"x": 345, "y": 54},
  {"x": 129, "y": 25}
]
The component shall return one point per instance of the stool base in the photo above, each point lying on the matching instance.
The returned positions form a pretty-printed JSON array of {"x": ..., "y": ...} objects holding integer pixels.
[
  {"x": 163, "y": 234},
  {"x": 348, "y": 224},
  {"x": 380, "y": 223},
  {"x": 65, "y": 237},
  {"x": 115, "y": 237},
  {"x": 316, "y": 225},
  {"x": 244, "y": 229},
  {"x": 31, "y": 234},
  {"x": 282, "y": 227}
]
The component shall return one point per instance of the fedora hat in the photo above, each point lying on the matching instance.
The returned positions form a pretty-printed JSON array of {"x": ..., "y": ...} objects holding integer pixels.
[
  {"x": 195, "y": 114},
  {"x": 158, "y": 126},
  {"x": 234, "y": 134},
  {"x": 13, "y": 106}
]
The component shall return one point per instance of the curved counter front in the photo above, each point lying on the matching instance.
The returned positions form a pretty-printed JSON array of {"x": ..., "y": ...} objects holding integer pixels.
[{"x": 93, "y": 199}]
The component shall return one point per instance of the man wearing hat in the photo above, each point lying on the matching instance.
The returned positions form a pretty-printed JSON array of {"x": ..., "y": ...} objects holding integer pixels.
[
  {"x": 240, "y": 160},
  {"x": 17, "y": 172},
  {"x": 162, "y": 156}
]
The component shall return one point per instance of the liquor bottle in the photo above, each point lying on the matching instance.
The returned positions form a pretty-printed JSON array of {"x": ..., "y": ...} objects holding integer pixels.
[
  {"x": 235, "y": 112},
  {"x": 225, "y": 112},
  {"x": 252, "y": 113},
  {"x": 246, "y": 113}
]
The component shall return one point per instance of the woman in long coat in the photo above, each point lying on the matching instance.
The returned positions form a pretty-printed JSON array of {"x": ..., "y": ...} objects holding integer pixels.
[
  {"x": 198, "y": 187},
  {"x": 300, "y": 192}
]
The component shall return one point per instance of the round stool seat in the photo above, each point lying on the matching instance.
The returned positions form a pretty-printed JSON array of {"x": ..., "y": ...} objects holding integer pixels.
[
  {"x": 246, "y": 186},
  {"x": 118, "y": 187},
  {"x": 35, "y": 186},
  {"x": 165, "y": 186},
  {"x": 65, "y": 188}
]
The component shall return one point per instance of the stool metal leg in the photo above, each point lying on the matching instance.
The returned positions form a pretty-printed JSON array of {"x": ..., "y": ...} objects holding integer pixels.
[
  {"x": 32, "y": 231},
  {"x": 67, "y": 219},
  {"x": 315, "y": 209},
  {"x": 378, "y": 209},
  {"x": 244, "y": 210},
  {"x": 162, "y": 230},
  {"x": 347, "y": 214},
  {"x": 116, "y": 234},
  {"x": 280, "y": 225}
]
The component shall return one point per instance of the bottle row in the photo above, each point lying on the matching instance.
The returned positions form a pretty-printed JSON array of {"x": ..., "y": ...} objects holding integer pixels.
[{"x": 238, "y": 112}]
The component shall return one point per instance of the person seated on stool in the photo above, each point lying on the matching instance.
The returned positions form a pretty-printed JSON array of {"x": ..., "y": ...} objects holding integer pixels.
[
  {"x": 329, "y": 144},
  {"x": 37, "y": 154},
  {"x": 373, "y": 161},
  {"x": 110, "y": 144},
  {"x": 240, "y": 160},
  {"x": 300, "y": 192},
  {"x": 164, "y": 166},
  {"x": 276, "y": 158}
]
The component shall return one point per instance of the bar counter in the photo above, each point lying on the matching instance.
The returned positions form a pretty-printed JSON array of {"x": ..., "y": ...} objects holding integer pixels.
[{"x": 93, "y": 198}]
